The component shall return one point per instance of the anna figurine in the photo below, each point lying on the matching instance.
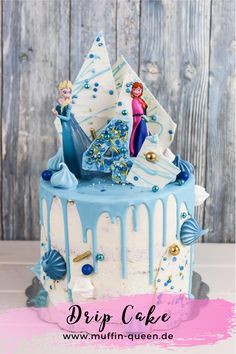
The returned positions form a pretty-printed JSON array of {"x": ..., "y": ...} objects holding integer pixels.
[
  {"x": 74, "y": 139},
  {"x": 139, "y": 107}
]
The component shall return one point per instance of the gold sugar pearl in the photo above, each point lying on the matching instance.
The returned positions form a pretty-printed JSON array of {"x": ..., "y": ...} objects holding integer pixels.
[
  {"x": 151, "y": 156},
  {"x": 174, "y": 250}
]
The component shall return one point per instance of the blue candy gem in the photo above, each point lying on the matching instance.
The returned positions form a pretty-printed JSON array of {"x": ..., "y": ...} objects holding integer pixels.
[
  {"x": 91, "y": 55},
  {"x": 136, "y": 178},
  {"x": 129, "y": 164},
  {"x": 96, "y": 84},
  {"x": 86, "y": 86},
  {"x": 95, "y": 89},
  {"x": 119, "y": 103},
  {"x": 165, "y": 284},
  {"x": 124, "y": 112},
  {"x": 183, "y": 175},
  {"x": 174, "y": 259},
  {"x": 111, "y": 92},
  {"x": 181, "y": 182},
  {"x": 165, "y": 259},
  {"x": 183, "y": 215},
  {"x": 127, "y": 90},
  {"x": 170, "y": 132},
  {"x": 98, "y": 39},
  {"x": 87, "y": 269},
  {"x": 155, "y": 189},
  {"x": 181, "y": 267},
  {"x": 123, "y": 150},
  {"x": 158, "y": 280},
  {"x": 46, "y": 175}
]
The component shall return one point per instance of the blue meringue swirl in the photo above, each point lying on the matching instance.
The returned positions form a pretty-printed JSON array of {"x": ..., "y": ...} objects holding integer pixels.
[
  {"x": 54, "y": 162},
  {"x": 183, "y": 165},
  {"x": 64, "y": 178}
]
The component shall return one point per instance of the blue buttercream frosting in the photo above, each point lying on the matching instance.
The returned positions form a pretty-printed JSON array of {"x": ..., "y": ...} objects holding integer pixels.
[
  {"x": 64, "y": 178},
  {"x": 54, "y": 162}
]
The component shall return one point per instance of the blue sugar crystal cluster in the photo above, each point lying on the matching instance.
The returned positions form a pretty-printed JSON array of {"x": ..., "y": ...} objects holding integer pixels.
[
  {"x": 111, "y": 145},
  {"x": 120, "y": 170}
]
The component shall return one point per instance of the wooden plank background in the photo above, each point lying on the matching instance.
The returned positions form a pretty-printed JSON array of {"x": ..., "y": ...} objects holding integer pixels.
[{"x": 184, "y": 51}]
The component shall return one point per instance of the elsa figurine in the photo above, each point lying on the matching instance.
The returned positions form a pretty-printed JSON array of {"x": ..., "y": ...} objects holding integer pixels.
[{"x": 74, "y": 139}]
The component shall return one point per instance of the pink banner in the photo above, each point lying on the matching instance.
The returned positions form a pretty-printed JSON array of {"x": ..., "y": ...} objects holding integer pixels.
[{"x": 165, "y": 320}]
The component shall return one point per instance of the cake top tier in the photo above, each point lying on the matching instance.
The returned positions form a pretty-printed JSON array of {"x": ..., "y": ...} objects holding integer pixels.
[{"x": 109, "y": 123}]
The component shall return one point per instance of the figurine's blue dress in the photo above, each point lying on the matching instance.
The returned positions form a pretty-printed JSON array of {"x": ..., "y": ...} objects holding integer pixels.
[{"x": 74, "y": 141}]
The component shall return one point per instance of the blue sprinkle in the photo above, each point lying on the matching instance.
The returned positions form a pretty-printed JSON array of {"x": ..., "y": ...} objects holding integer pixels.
[
  {"x": 95, "y": 89},
  {"x": 172, "y": 287},
  {"x": 164, "y": 258},
  {"x": 91, "y": 55},
  {"x": 98, "y": 39},
  {"x": 96, "y": 84},
  {"x": 119, "y": 103},
  {"x": 174, "y": 259},
  {"x": 103, "y": 190},
  {"x": 162, "y": 268},
  {"x": 136, "y": 178},
  {"x": 100, "y": 44},
  {"x": 158, "y": 280},
  {"x": 111, "y": 92},
  {"x": 181, "y": 267},
  {"x": 165, "y": 284},
  {"x": 94, "y": 96},
  {"x": 51, "y": 287},
  {"x": 170, "y": 132},
  {"x": 169, "y": 281}
]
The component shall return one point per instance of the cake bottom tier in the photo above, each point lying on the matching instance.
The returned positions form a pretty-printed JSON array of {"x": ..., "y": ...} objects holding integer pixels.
[{"x": 126, "y": 234}]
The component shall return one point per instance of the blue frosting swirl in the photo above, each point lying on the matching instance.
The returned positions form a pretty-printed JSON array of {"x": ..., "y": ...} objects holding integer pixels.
[
  {"x": 54, "y": 162},
  {"x": 64, "y": 178},
  {"x": 54, "y": 264},
  {"x": 191, "y": 231},
  {"x": 183, "y": 165}
]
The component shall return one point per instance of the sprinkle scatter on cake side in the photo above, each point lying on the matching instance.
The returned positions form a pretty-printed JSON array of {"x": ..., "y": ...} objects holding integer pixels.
[{"x": 116, "y": 205}]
